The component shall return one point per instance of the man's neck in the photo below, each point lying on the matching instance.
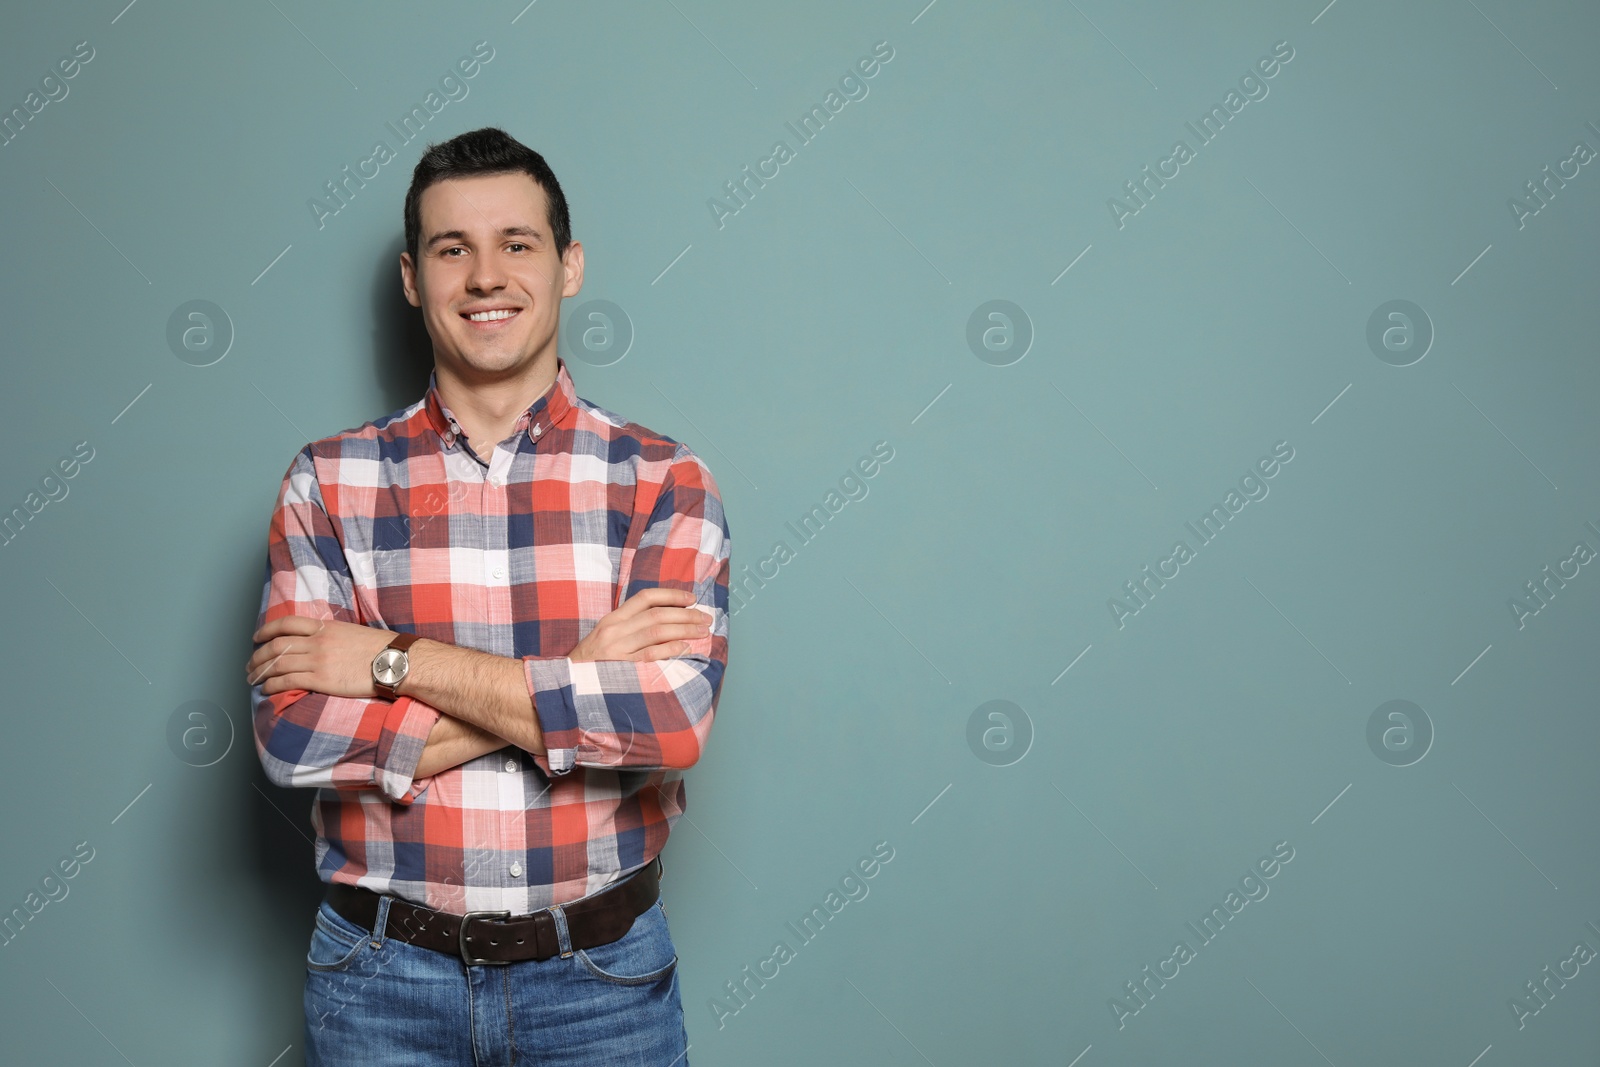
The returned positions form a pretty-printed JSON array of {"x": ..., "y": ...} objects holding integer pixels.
[{"x": 486, "y": 407}]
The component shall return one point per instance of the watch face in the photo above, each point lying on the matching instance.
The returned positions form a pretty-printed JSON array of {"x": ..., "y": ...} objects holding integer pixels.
[{"x": 389, "y": 668}]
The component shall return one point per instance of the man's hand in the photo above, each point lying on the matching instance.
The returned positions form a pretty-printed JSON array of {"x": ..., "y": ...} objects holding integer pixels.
[
  {"x": 317, "y": 655},
  {"x": 646, "y": 627}
]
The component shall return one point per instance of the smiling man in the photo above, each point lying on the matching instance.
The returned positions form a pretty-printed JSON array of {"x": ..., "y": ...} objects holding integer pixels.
[{"x": 492, "y": 636}]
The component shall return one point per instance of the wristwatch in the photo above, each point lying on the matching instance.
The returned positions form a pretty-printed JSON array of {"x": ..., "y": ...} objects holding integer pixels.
[{"x": 389, "y": 667}]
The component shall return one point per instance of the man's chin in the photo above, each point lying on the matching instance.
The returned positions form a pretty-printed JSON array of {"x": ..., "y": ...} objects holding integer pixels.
[{"x": 491, "y": 360}]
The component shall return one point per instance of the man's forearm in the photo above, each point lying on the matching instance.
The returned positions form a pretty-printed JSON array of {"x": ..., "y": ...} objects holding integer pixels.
[
  {"x": 452, "y": 742},
  {"x": 490, "y": 692}
]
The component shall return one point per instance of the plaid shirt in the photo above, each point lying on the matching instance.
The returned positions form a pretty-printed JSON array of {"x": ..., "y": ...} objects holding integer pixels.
[{"x": 398, "y": 524}]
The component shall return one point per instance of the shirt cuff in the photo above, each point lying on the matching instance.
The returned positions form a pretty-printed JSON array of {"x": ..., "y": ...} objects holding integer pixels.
[
  {"x": 550, "y": 688},
  {"x": 405, "y": 735}
]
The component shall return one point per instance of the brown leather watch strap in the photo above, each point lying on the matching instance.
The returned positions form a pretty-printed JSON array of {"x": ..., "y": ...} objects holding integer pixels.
[{"x": 402, "y": 642}]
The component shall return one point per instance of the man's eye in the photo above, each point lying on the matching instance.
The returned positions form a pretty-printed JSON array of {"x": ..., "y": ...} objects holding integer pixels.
[{"x": 518, "y": 244}]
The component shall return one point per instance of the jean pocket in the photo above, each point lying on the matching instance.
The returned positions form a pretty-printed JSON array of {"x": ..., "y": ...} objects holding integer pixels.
[
  {"x": 335, "y": 941},
  {"x": 644, "y": 954}
]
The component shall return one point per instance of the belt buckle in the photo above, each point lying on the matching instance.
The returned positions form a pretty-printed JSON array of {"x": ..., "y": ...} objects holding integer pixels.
[{"x": 461, "y": 936}]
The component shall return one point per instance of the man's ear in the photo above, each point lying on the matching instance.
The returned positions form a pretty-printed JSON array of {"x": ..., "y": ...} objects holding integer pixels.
[
  {"x": 408, "y": 280},
  {"x": 572, "y": 262}
]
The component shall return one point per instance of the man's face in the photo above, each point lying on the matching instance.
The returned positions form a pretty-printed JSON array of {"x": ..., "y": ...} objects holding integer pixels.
[{"x": 486, "y": 246}]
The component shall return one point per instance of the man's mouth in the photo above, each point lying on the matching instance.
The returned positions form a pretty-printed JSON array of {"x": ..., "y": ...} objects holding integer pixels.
[{"x": 492, "y": 317}]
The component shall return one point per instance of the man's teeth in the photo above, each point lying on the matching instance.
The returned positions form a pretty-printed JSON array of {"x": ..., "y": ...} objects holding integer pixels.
[{"x": 491, "y": 316}]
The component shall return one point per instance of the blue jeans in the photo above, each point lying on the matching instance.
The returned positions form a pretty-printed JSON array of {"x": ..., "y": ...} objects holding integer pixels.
[{"x": 377, "y": 1001}]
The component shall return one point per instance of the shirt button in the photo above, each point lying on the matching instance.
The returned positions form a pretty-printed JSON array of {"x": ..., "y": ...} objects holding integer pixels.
[
  {"x": 516, "y": 870},
  {"x": 537, "y": 429},
  {"x": 499, "y": 572},
  {"x": 497, "y": 480},
  {"x": 511, "y": 764}
]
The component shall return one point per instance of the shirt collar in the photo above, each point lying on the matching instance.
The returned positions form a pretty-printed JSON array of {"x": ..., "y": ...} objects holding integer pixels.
[{"x": 549, "y": 411}]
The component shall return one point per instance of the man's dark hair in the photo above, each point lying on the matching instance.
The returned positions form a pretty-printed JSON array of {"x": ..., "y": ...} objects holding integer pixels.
[{"x": 489, "y": 150}]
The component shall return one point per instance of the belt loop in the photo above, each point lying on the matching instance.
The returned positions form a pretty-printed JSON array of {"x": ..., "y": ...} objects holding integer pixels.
[
  {"x": 381, "y": 922},
  {"x": 562, "y": 937}
]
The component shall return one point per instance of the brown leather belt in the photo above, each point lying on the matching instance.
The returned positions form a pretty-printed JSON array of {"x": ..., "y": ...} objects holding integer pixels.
[{"x": 495, "y": 937}]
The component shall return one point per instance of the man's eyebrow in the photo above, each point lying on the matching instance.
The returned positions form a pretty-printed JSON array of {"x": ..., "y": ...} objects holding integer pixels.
[{"x": 460, "y": 235}]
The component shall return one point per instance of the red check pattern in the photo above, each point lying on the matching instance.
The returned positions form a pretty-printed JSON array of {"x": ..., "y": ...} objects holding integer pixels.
[{"x": 399, "y": 524}]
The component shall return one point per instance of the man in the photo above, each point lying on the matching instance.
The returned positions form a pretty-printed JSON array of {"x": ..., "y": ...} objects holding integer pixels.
[{"x": 492, "y": 636}]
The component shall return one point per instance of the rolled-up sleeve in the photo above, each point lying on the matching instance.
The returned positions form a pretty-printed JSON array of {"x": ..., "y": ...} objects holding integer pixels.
[
  {"x": 309, "y": 739},
  {"x": 656, "y": 714}
]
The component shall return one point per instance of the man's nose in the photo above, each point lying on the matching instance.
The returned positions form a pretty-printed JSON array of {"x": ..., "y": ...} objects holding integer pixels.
[{"x": 487, "y": 273}]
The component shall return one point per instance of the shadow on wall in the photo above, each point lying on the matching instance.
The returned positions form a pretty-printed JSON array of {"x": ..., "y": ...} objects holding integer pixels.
[{"x": 402, "y": 351}]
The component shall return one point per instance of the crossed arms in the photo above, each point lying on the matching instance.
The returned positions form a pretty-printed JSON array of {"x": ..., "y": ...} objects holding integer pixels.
[{"x": 639, "y": 691}]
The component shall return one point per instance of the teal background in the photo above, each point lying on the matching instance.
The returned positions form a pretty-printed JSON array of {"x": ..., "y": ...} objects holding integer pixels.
[{"x": 831, "y": 312}]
